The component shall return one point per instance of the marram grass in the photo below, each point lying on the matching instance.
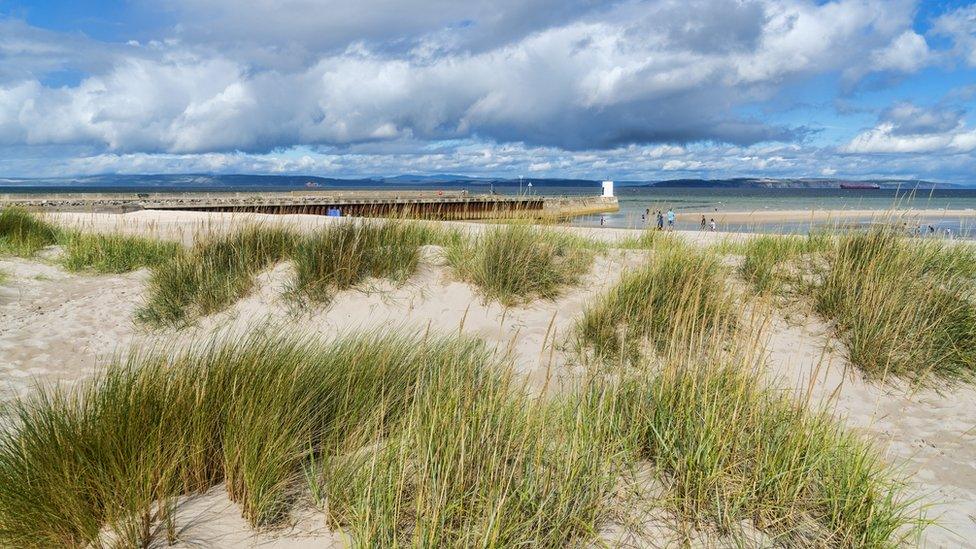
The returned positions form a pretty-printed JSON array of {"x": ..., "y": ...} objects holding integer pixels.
[
  {"x": 343, "y": 254},
  {"x": 245, "y": 412},
  {"x": 764, "y": 258},
  {"x": 730, "y": 450},
  {"x": 428, "y": 441},
  {"x": 23, "y": 233},
  {"x": 114, "y": 253},
  {"x": 411, "y": 440},
  {"x": 474, "y": 462},
  {"x": 212, "y": 274},
  {"x": 216, "y": 272},
  {"x": 517, "y": 262},
  {"x": 903, "y": 307},
  {"x": 679, "y": 286}
]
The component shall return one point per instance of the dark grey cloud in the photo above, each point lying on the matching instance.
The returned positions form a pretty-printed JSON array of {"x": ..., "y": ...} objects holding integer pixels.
[
  {"x": 908, "y": 119},
  {"x": 714, "y": 25},
  {"x": 286, "y": 34}
]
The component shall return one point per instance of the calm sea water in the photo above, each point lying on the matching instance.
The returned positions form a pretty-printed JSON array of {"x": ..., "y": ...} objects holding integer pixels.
[{"x": 634, "y": 202}]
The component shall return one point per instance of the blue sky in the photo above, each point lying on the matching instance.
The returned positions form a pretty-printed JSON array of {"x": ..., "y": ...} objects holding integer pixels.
[{"x": 544, "y": 88}]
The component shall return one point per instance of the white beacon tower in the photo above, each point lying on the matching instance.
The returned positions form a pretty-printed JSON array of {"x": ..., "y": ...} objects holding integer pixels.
[{"x": 608, "y": 188}]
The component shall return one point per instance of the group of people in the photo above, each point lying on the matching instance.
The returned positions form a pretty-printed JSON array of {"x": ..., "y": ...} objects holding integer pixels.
[
  {"x": 670, "y": 216},
  {"x": 918, "y": 231},
  {"x": 660, "y": 218},
  {"x": 711, "y": 224}
]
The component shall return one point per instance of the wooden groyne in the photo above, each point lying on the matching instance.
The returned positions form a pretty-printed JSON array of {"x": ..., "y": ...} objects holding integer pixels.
[{"x": 425, "y": 204}]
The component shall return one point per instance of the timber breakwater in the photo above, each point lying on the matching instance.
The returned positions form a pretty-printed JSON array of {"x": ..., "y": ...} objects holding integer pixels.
[{"x": 425, "y": 204}]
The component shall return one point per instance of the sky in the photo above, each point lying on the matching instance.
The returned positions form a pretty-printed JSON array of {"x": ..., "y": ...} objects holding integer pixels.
[{"x": 630, "y": 90}]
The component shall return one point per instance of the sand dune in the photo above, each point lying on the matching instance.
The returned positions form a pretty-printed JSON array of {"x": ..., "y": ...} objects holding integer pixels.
[{"x": 59, "y": 326}]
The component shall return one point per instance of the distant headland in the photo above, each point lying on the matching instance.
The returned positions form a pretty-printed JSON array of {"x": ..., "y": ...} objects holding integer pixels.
[{"x": 218, "y": 182}]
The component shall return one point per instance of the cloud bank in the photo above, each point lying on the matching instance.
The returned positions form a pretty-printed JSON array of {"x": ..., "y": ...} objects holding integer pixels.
[{"x": 390, "y": 81}]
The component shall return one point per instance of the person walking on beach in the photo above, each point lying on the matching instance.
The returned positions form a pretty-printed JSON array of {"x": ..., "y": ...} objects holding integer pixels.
[
  {"x": 711, "y": 225},
  {"x": 670, "y": 219},
  {"x": 703, "y": 223},
  {"x": 602, "y": 220},
  {"x": 660, "y": 221}
]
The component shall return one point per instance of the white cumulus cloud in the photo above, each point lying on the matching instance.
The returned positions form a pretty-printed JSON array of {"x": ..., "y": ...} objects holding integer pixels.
[
  {"x": 907, "y": 128},
  {"x": 586, "y": 79},
  {"x": 639, "y": 86}
]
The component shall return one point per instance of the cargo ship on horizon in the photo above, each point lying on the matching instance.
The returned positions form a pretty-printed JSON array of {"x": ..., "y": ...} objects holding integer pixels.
[{"x": 860, "y": 186}]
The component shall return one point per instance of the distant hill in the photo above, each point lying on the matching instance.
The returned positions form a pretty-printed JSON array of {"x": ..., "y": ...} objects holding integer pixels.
[
  {"x": 182, "y": 181},
  {"x": 218, "y": 182},
  {"x": 436, "y": 178},
  {"x": 244, "y": 182}
]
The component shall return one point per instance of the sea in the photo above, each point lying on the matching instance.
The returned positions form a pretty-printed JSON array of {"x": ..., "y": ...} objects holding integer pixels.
[{"x": 636, "y": 200}]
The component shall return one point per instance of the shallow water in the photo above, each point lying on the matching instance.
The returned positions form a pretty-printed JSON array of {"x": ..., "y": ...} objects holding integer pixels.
[{"x": 635, "y": 201}]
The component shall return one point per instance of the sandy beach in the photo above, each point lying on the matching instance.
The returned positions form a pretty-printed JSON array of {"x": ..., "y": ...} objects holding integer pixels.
[{"x": 59, "y": 326}]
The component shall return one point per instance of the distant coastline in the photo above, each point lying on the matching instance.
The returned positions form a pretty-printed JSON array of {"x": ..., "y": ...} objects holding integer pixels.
[{"x": 243, "y": 182}]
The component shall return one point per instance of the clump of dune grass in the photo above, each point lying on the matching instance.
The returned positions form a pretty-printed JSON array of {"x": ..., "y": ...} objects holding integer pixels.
[
  {"x": 517, "y": 262},
  {"x": 411, "y": 440},
  {"x": 114, "y": 253},
  {"x": 23, "y": 233},
  {"x": 646, "y": 304},
  {"x": 727, "y": 447},
  {"x": 730, "y": 450},
  {"x": 343, "y": 254},
  {"x": 904, "y": 308},
  {"x": 764, "y": 258},
  {"x": 212, "y": 274},
  {"x": 474, "y": 462},
  {"x": 245, "y": 412}
]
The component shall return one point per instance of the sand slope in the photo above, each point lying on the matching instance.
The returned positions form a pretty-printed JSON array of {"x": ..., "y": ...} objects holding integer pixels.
[{"x": 931, "y": 436}]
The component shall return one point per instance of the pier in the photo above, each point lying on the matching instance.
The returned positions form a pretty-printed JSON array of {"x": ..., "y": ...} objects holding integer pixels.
[{"x": 457, "y": 205}]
